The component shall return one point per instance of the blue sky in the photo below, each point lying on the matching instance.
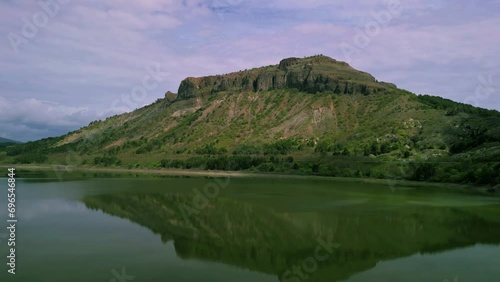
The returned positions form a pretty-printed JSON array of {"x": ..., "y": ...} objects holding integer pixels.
[{"x": 65, "y": 63}]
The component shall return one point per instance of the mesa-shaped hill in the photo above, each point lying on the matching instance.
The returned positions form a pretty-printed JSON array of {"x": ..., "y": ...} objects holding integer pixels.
[
  {"x": 311, "y": 75},
  {"x": 311, "y": 115}
]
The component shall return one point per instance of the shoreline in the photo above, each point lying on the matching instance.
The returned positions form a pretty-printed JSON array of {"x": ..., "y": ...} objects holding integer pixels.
[
  {"x": 173, "y": 172},
  {"x": 238, "y": 174}
]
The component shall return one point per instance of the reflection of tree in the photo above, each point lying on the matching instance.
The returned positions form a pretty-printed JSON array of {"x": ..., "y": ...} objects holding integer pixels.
[{"x": 258, "y": 239}]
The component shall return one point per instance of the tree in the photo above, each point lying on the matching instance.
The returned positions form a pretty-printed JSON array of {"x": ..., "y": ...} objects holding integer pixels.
[
  {"x": 423, "y": 171},
  {"x": 375, "y": 148}
]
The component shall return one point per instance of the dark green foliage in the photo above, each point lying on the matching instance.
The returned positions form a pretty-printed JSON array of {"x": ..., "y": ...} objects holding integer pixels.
[
  {"x": 467, "y": 136},
  {"x": 210, "y": 149},
  {"x": 14, "y": 150},
  {"x": 145, "y": 149},
  {"x": 282, "y": 147},
  {"x": 107, "y": 161},
  {"x": 32, "y": 152},
  {"x": 423, "y": 171},
  {"x": 453, "y": 107},
  {"x": 323, "y": 146},
  {"x": 191, "y": 118},
  {"x": 385, "y": 148},
  {"x": 247, "y": 150},
  {"x": 29, "y": 158},
  {"x": 41, "y": 146},
  {"x": 234, "y": 163},
  {"x": 375, "y": 148},
  {"x": 486, "y": 175},
  {"x": 132, "y": 144},
  {"x": 4, "y": 145},
  {"x": 152, "y": 145},
  {"x": 406, "y": 154},
  {"x": 114, "y": 151},
  {"x": 315, "y": 168}
]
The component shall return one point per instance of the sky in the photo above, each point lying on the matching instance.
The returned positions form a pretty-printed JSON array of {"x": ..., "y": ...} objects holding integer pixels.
[{"x": 65, "y": 63}]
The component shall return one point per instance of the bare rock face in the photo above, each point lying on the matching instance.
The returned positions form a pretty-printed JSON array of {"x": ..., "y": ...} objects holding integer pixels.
[
  {"x": 285, "y": 63},
  {"x": 170, "y": 96},
  {"x": 313, "y": 74},
  {"x": 188, "y": 89}
]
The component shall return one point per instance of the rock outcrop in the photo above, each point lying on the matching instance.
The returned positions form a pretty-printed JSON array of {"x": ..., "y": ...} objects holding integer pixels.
[
  {"x": 170, "y": 96},
  {"x": 313, "y": 74}
]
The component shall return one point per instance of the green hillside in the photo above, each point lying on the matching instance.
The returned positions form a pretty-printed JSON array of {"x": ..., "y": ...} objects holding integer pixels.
[
  {"x": 303, "y": 116},
  {"x": 5, "y": 140}
]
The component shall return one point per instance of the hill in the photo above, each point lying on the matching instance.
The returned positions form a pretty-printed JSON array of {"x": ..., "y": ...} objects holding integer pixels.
[
  {"x": 7, "y": 142},
  {"x": 312, "y": 115}
]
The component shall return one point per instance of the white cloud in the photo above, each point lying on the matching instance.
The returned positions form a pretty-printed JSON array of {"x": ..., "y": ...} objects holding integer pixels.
[
  {"x": 50, "y": 207},
  {"x": 34, "y": 118}
]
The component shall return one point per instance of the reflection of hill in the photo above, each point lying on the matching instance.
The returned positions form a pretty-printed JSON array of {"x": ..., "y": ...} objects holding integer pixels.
[{"x": 258, "y": 239}]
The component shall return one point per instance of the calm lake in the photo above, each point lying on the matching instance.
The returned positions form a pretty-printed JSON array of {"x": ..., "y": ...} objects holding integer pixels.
[{"x": 141, "y": 228}]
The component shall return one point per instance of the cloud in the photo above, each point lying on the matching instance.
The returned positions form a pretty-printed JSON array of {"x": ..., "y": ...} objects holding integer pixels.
[
  {"x": 31, "y": 119},
  {"x": 50, "y": 207}
]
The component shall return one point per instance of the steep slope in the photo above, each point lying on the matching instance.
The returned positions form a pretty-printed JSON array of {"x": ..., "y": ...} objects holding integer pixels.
[{"x": 307, "y": 116}]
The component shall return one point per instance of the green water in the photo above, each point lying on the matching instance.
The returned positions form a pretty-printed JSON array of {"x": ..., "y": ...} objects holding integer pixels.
[{"x": 249, "y": 229}]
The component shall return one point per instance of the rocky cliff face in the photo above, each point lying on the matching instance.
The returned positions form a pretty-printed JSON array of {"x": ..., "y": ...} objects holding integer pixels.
[
  {"x": 170, "y": 96},
  {"x": 312, "y": 75}
]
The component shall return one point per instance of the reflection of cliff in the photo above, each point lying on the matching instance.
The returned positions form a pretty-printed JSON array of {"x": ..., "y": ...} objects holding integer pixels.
[
  {"x": 225, "y": 231},
  {"x": 255, "y": 238}
]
